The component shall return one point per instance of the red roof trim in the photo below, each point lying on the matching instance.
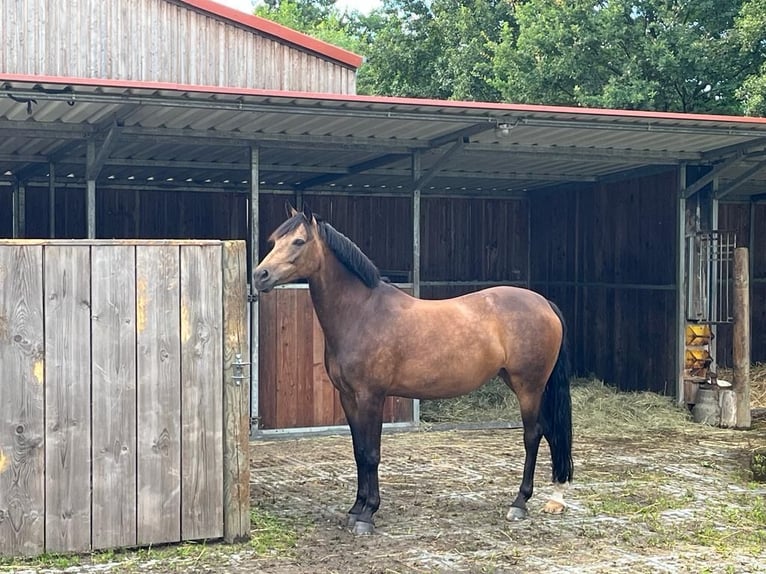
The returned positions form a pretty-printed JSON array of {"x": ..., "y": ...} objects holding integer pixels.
[
  {"x": 278, "y": 31},
  {"x": 380, "y": 100}
]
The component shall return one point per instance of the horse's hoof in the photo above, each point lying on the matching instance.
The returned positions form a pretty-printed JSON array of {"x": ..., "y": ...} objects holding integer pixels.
[
  {"x": 363, "y": 528},
  {"x": 554, "y": 507},
  {"x": 351, "y": 521},
  {"x": 516, "y": 513}
]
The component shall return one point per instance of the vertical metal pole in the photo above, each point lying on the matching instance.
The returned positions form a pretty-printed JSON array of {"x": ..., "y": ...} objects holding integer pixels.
[
  {"x": 716, "y": 276},
  {"x": 416, "y": 176},
  {"x": 19, "y": 210},
  {"x": 680, "y": 345},
  {"x": 15, "y": 209},
  {"x": 751, "y": 238},
  {"x": 254, "y": 257},
  {"x": 90, "y": 190},
  {"x": 22, "y": 215},
  {"x": 52, "y": 200}
]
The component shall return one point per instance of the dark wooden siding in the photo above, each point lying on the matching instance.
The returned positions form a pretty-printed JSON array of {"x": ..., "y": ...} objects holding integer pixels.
[
  {"x": 736, "y": 217},
  {"x": 122, "y": 214},
  {"x": 481, "y": 240},
  {"x": 380, "y": 226},
  {"x": 606, "y": 255}
]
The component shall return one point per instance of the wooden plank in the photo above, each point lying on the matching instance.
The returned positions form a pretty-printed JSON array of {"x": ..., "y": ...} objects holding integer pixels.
[
  {"x": 267, "y": 365},
  {"x": 201, "y": 393},
  {"x": 304, "y": 358},
  {"x": 324, "y": 396},
  {"x": 159, "y": 394},
  {"x": 287, "y": 371},
  {"x": 67, "y": 399},
  {"x": 236, "y": 395},
  {"x": 22, "y": 502},
  {"x": 114, "y": 396}
]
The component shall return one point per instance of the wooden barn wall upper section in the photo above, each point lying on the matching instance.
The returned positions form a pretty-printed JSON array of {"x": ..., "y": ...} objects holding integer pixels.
[
  {"x": 156, "y": 41},
  {"x": 467, "y": 240},
  {"x": 612, "y": 272}
]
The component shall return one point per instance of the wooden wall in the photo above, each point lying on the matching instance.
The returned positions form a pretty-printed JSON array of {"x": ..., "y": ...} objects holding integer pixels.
[
  {"x": 119, "y": 414},
  {"x": 380, "y": 226},
  {"x": 606, "y": 255},
  {"x": 156, "y": 41},
  {"x": 131, "y": 214},
  {"x": 737, "y": 217}
]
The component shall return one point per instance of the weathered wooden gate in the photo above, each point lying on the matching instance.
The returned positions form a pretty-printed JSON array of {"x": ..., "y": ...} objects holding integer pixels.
[{"x": 123, "y": 417}]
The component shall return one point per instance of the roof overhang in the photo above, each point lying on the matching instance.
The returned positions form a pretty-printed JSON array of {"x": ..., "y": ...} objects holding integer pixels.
[{"x": 191, "y": 136}]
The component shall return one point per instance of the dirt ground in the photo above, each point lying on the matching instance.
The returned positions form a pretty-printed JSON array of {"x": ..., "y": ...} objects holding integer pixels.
[
  {"x": 651, "y": 494},
  {"x": 673, "y": 502}
]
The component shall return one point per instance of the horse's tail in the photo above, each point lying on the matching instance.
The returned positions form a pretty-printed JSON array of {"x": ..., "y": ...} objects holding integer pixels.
[{"x": 556, "y": 411}]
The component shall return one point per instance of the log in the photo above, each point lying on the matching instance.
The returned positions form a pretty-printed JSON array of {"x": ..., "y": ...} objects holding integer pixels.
[
  {"x": 741, "y": 337},
  {"x": 728, "y": 401}
]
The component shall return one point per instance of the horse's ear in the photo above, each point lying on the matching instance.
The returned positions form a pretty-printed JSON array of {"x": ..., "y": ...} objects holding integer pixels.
[
  {"x": 291, "y": 211},
  {"x": 307, "y": 213}
]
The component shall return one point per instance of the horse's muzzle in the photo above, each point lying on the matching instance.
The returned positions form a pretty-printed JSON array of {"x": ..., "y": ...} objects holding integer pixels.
[{"x": 263, "y": 280}]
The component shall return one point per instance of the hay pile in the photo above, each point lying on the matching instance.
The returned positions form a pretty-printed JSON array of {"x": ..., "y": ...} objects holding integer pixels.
[
  {"x": 757, "y": 383},
  {"x": 596, "y": 409}
]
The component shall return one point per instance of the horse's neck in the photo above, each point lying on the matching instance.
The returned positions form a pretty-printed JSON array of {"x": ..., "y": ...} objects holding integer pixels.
[{"x": 338, "y": 296}]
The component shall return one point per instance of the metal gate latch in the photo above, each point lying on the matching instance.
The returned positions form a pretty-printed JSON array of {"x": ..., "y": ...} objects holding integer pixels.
[{"x": 239, "y": 369}]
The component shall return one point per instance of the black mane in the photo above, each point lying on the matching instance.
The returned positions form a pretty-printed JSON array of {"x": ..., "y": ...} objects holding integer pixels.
[
  {"x": 349, "y": 254},
  {"x": 344, "y": 249}
]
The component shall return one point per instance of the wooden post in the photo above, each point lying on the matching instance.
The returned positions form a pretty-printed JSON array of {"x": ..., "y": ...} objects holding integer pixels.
[
  {"x": 741, "y": 338},
  {"x": 236, "y": 395}
]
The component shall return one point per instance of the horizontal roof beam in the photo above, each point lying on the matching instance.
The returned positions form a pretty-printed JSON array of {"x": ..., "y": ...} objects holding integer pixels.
[{"x": 588, "y": 154}]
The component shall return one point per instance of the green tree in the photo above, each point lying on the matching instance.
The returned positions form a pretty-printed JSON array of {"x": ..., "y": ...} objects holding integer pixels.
[
  {"x": 669, "y": 55},
  {"x": 321, "y": 19},
  {"x": 438, "y": 49},
  {"x": 750, "y": 36}
]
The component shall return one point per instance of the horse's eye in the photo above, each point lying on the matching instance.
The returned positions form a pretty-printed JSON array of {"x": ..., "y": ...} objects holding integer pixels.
[{"x": 299, "y": 241}]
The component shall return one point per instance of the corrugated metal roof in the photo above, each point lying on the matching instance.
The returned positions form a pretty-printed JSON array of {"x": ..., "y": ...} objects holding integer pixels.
[{"x": 196, "y": 135}]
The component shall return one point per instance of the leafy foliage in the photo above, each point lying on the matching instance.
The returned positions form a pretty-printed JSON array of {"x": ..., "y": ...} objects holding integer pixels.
[
  {"x": 651, "y": 54},
  {"x": 704, "y": 56}
]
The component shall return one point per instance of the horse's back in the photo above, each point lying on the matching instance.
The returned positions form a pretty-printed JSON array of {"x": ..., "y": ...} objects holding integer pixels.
[{"x": 447, "y": 347}]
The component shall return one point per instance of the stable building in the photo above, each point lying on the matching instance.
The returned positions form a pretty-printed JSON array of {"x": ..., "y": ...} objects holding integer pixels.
[{"x": 183, "y": 119}]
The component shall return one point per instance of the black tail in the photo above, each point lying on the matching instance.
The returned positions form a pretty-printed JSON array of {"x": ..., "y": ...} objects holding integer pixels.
[{"x": 556, "y": 411}]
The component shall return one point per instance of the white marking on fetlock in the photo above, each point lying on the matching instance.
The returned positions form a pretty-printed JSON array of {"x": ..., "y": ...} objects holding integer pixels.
[{"x": 556, "y": 503}]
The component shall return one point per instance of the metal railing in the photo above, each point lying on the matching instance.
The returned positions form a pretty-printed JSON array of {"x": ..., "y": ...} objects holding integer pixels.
[{"x": 710, "y": 260}]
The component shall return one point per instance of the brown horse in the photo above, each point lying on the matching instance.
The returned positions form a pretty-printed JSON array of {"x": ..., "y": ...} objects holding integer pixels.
[{"x": 380, "y": 341}]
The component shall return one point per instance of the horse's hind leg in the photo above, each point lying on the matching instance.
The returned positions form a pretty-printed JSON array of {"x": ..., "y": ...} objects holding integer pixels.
[
  {"x": 365, "y": 419},
  {"x": 533, "y": 432}
]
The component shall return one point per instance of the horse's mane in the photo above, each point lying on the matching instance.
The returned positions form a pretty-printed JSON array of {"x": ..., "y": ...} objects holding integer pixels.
[
  {"x": 344, "y": 249},
  {"x": 349, "y": 254}
]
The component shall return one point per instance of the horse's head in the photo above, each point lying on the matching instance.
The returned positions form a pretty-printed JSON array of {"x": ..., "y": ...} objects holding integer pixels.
[{"x": 295, "y": 252}]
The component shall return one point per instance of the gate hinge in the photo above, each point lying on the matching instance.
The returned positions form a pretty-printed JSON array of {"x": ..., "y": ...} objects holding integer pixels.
[{"x": 239, "y": 369}]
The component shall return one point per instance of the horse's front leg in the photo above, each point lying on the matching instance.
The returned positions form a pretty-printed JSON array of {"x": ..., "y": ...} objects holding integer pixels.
[{"x": 364, "y": 414}]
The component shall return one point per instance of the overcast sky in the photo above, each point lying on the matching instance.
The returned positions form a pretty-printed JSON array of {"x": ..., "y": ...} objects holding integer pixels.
[{"x": 363, "y": 6}]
